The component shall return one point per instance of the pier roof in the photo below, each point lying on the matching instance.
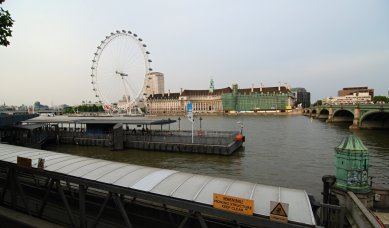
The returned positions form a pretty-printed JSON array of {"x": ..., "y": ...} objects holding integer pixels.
[
  {"x": 99, "y": 120},
  {"x": 351, "y": 144},
  {"x": 30, "y": 126},
  {"x": 181, "y": 186}
]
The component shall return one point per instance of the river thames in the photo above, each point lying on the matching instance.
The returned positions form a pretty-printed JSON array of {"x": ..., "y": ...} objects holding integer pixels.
[{"x": 287, "y": 151}]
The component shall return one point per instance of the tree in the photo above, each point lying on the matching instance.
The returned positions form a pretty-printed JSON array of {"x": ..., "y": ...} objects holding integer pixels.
[
  {"x": 100, "y": 108},
  {"x": 6, "y": 23},
  {"x": 95, "y": 108},
  {"x": 375, "y": 99},
  {"x": 68, "y": 110},
  {"x": 317, "y": 103}
]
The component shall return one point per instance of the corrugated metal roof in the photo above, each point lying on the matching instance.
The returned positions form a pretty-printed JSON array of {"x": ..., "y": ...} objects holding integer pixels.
[{"x": 193, "y": 187}]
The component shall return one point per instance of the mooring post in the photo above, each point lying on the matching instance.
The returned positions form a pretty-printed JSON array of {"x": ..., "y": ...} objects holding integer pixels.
[
  {"x": 192, "y": 130},
  {"x": 82, "y": 191}
]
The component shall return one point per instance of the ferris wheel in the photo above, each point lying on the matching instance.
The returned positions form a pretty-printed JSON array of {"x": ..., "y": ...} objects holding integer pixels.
[{"x": 119, "y": 71}]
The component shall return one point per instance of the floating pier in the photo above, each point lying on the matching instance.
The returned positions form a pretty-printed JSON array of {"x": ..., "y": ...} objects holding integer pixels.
[{"x": 134, "y": 133}]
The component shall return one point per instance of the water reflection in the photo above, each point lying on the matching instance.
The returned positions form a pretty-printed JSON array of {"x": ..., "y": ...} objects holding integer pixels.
[
  {"x": 195, "y": 163},
  {"x": 288, "y": 151},
  {"x": 377, "y": 143}
]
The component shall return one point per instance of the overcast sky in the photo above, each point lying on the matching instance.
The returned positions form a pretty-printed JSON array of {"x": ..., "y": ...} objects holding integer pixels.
[{"x": 320, "y": 45}]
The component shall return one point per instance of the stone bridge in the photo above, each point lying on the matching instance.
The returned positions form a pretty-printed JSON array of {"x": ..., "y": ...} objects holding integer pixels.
[{"x": 362, "y": 116}]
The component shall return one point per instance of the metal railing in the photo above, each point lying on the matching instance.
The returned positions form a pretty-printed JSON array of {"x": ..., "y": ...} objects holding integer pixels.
[
  {"x": 185, "y": 137},
  {"x": 37, "y": 138},
  {"x": 381, "y": 180},
  {"x": 331, "y": 216},
  {"x": 77, "y": 202},
  {"x": 68, "y": 134}
]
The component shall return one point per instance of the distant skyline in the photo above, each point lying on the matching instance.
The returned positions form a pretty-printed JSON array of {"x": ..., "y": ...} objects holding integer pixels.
[{"x": 322, "y": 46}]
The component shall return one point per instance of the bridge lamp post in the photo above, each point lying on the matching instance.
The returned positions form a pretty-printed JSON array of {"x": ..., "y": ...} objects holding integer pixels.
[
  {"x": 179, "y": 123},
  {"x": 241, "y": 126},
  {"x": 357, "y": 99},
  {"x": 200, "y": 121}
]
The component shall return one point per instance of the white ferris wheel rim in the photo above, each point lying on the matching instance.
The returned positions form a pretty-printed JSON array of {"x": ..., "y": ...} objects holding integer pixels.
[{"x": 97, "y": 56}]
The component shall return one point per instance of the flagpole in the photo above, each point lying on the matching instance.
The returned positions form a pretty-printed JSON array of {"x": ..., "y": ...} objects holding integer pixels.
[{"x": 190, "y": 116}]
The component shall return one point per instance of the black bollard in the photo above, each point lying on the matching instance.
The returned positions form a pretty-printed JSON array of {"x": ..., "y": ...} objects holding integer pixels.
[{"x": 328, "y": 181}]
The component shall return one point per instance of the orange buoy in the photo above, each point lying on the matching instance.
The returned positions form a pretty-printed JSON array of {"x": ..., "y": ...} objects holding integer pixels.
[{"x": 238, "y": 138}]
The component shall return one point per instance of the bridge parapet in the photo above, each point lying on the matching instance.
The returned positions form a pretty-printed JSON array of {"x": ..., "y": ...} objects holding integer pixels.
[
  {"x": 360, "y": 115},
  {"x": 361, "y": 106}
]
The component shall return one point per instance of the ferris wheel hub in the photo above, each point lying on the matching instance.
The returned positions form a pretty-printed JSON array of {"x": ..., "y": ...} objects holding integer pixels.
[{"x": 121, "y": 73}]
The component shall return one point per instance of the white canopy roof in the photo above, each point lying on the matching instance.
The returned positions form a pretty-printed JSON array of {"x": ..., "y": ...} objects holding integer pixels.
[{"x": 193, "y": 187}]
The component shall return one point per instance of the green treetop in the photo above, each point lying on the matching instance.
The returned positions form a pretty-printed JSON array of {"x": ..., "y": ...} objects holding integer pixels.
[{"x": 6, "y": 23}]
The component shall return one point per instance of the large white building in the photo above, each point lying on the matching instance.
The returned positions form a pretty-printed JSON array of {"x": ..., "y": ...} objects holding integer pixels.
[
  {"x": 123, "y": 103},
  {"x": 155, "y": 84},
  {"x": 203, "y": 101},
  {"x": 355, "y": 98}
]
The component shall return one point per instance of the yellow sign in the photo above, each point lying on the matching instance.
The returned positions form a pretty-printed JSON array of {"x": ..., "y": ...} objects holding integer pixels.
[
  {"x": 233, "y": 204},
  {"x": 41, "y": 163},
  {"x": 279, "y": 211},
  {"x": 25, "y": 162}
]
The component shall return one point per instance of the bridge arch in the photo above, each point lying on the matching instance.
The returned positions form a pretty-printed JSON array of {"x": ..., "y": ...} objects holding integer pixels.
[
  {"x": 324, "y": 111},
  {"x": 343, "y": 115},
  {"x": 323, "y": 114},
  {"x": 375, "y": 119}
]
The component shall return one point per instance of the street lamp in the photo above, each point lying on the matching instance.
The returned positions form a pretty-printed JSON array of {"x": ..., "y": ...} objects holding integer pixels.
[
  {"x": 179, "y": 123},
  {"x": 200, "y": 121},
  {"x": 241, "y": 126},
  {"x": 169, "y": 123}
]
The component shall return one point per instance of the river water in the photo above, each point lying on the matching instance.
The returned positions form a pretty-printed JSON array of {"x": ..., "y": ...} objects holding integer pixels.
[{"x": 287, "y": 151}]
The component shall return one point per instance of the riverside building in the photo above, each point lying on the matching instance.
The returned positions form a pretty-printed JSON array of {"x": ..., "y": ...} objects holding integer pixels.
[
  {"x": 303, "y": 98},
  {"x": 168, "y": 103},
  {"x": 351, "y": 90},
  {"x": 225, "y": 100},
  {"x": 355, "y": 98},
  {"x": 203, "y": 101},
  {"x": 155, "y": 83},
  {"x": 260, "y": 99}
]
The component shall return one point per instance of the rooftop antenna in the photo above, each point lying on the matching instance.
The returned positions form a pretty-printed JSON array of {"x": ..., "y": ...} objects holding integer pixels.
[
  {"x": 287, "y": 85},
  {"x": 211, "y": 86}
]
